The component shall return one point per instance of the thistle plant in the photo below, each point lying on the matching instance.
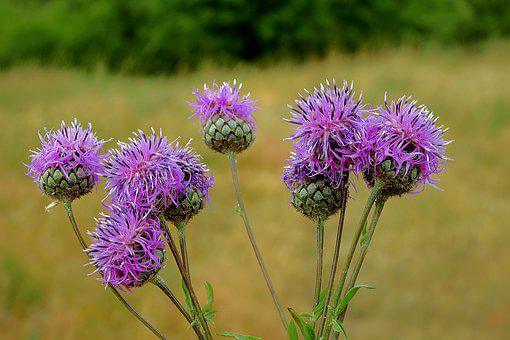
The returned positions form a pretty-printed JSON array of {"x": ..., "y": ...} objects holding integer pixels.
[
  {"x": 397, "y": 148},
  {"x": 66, "y": 167},
  {"x": 228, "y": 127}
]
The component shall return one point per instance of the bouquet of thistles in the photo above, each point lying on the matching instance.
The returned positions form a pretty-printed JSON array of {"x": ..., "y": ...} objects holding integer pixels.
[{"x": 151, "y": 183}]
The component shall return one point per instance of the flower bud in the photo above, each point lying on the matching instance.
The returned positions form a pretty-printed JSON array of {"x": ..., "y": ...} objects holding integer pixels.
[
  {"x": 224, "y": 134},
  {"x": 317, "y": 199},
  {"x": 189, "y": 205}
]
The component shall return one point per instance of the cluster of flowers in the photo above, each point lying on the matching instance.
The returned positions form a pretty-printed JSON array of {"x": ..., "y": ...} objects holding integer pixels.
[
  {"x": 397, "y": 148},
  {"x": 337, "y": 134},
  {"x": 145, "y": 177}
]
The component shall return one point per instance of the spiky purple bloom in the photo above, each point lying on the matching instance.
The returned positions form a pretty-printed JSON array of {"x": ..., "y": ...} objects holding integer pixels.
[
  {"x": 154, "y": 173},
  {"x": 144, "y": 171},
  {"x": 223, "y": 100},
  {"x": 68, "y": 149},
  {"x": 328, "y": 122},
  {"x": 127, "y": 246},
  {"x": 196, "y": 175},
  {"x": 405, "y": 133}
]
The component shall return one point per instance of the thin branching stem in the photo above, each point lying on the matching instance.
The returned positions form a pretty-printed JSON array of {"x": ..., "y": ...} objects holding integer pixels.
[
  {"x": 160, "y": 283},
  {"x": 131, "y": 309},
  {"x": 181, "y": 228},
  {"x": 242, "y": 211},
  {"x": 379, "y": 205},
  {"x": 336, "y": 254},
  {"x": 345, "y": 269},
  {"x": 185, "y": 277}
]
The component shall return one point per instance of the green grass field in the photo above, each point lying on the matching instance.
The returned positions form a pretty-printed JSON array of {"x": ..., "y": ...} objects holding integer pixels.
[{"x": 440, "y": 260}]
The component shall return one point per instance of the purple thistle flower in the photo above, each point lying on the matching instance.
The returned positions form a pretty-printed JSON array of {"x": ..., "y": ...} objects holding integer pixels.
[
  {"x": 196, "y": 175},
  {"x": 224, "y": 100},
  {"x": 144, "y": 171},
  {"x": 406, "y": 134},
  {"x": 328, "y": 124},
  {"x": 127, "y": 246},
  {"x": 68, "y": 163}
]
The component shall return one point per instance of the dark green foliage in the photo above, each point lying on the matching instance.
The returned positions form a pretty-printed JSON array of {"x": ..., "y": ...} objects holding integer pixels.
[{"x": 154, "y": 36}]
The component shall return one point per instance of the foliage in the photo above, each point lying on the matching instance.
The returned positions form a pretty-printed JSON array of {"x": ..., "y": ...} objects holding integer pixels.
[{"x": 155, "y": 36}]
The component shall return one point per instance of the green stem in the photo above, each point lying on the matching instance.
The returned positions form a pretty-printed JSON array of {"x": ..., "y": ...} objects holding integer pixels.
[
  {"x": 185, "y": 277},
  {"x": 345, "y": 269},
  {"x": 69, "y": 210},
  {"x": 181, "y": 228},
  {"x": 233, "y": 166},
  {"x": 319, "y": 257},
  {"x": 336, "y": 254},
  {"x": 379, "y": 205},
  {"x": 160, "y": 283}
]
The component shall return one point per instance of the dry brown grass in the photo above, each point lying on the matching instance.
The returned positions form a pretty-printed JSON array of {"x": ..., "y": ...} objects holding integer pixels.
[{"x": 439, "y": 259}]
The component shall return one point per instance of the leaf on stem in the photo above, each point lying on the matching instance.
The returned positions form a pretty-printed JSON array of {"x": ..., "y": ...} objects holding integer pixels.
[
  {"x": 305, "y": 327},
  {"x": 292, "y": 331},
  {"x": 348, "y": 297},
  {"x": 338, "y": 327}
]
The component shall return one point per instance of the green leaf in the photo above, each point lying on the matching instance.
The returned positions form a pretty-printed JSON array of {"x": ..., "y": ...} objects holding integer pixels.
[
  {"x": 338, "y": 327},
  {"x": 210, "y": 315},
  {"x": 210, "y": 297},
  {"x": 187, "y": 298},
  {"x": 305, "y": 328},
  {"x": 319, "y": 308},
  {"x": 292, "y": 331},
  {"x": 348, "y": 297},
  {"x": 238, "y": 336}
]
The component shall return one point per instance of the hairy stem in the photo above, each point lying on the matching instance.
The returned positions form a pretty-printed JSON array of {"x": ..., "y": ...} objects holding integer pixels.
[
  {"x": 160, "y": 283},
  {"x": 185, "y": 277},
  {"x": 69, "y": 210},
  {"x": 233, "y": 166},
  {"x": 345, "y": 269},
  {"x": 336, "y": 254},
  {"x": 319, "y": 258}
]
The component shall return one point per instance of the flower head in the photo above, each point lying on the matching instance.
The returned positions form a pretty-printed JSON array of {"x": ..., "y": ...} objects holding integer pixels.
[
  {"x": 198, "y": 179},
  {"x": 144, "y": 171},
  {"x": 127, "y": 246},
  {"x": 328, "y": 122},
  {"x": 68, "y": 163},
  {"x": 224, "y": 100},
  {"x": 402, "y": 137}
]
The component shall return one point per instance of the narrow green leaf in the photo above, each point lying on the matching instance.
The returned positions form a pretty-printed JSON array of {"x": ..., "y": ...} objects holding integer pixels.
[
  {"x": 304, "y": 327},
  {"x": 338, "y": 327},
  {"x": 187, "y": 298},
  {"x": 319, "y": 309},
  {"x": 348, "y": 297},
  {"x": 210, "y": 297},
  {"x": 292, "y": 331},
  {"x": 238, "y": 336}
]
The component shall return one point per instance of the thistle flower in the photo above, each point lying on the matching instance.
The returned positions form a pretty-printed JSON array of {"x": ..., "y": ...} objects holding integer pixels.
[
  {"x": 313, "y": 195},
  {"x": 144, "y": 171},
  {"x": 403, "y": 147},
  {"x": 197, "y": 181},
  {"x": 328, "y": 122},
  {"x": 226, "y": 117},
  {"x": 68, "y": 163},
  {"x": 127, "y": 246}
]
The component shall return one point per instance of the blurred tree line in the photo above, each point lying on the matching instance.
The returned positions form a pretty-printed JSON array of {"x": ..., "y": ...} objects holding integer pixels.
[{"x": 152, "y": 36}]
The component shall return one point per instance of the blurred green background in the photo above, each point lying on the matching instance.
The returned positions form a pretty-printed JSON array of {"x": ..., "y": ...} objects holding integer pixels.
[{"x": 439, "y": 260}]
